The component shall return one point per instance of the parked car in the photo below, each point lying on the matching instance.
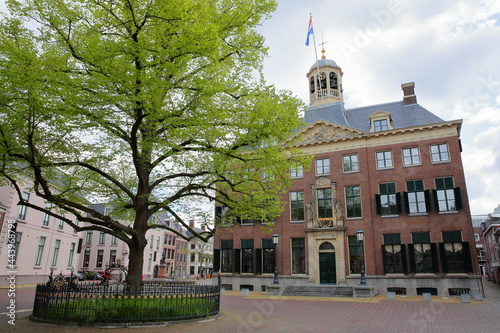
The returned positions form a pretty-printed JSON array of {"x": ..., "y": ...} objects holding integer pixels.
[{"x": 105, "y": 275}]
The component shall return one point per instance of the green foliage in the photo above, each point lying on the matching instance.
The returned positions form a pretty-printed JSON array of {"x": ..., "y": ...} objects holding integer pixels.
[{"x": 148, "y": 105}]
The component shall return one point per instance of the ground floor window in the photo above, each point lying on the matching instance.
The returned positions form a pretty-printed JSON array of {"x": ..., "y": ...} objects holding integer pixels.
[
  {"x": 268, "y": 256},
  {"x": 423, "y": 255},
  {"x": 298, "y": 256},
  {"x": 227, "y": 261},
  {"x": 393, "y": 254},
  {"x": 455, "y": 254},
  {"x": 356, "y": 256},
  {"x": 247, "y": 259}
]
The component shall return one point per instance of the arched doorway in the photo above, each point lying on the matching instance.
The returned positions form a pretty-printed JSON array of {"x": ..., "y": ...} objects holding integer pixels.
[
  {"x": 327, "y": 265},
  {"x": 155, "y": 271}
]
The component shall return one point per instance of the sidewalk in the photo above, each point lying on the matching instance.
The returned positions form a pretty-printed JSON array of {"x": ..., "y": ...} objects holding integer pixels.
[{"x": 258, "y": 312}]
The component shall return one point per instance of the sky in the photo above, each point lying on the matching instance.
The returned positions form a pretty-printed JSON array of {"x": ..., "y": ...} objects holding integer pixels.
[{"x": 449, "y": 48}]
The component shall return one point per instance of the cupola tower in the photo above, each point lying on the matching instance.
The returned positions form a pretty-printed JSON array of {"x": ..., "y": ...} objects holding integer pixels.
[{"x": 325, "y": 82}]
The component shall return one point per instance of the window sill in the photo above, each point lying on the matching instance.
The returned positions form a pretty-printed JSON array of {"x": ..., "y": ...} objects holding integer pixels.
[
  {"x": 45, "y": 226},
  {"x": 440, "y": 162},
  {"x": 418, "y": 214},
  {"x": 449, "y": 212},
  {"x": 37, "y": 267},
  {"x": 348, "y": 172},
  {"x": 59, "y": 230},
  {"x": 353, "y": 218},
  {"x": 388, "y": 216},
  {"x": 297, "y": 222},
  {"x": 383, "y": 169},
  {"x": 21, "y": 221}
]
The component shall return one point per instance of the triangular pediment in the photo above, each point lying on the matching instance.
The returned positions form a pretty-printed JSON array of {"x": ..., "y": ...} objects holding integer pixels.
[{"x": 322, "y": 131}]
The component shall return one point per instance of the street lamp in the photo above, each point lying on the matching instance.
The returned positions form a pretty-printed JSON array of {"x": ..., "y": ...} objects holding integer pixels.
[
  {"x": 275, "y": 242},
  {"x": 361, "y": 237}
]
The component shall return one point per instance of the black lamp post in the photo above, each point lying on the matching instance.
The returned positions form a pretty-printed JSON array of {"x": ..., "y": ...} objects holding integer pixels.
[
  {"x": 275, "y": 242},
  {"x": 361, "y": 237}
]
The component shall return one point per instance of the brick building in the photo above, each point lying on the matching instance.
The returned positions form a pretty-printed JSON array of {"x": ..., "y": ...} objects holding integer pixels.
[{"x": 392, "y": 171}]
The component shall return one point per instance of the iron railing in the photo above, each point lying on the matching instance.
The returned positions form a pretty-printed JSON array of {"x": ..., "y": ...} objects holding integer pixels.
[{"x": 98, "y": 303}]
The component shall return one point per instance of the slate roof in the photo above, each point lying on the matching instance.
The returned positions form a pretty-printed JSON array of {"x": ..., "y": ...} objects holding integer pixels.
[{"x": 402, "y": 116}]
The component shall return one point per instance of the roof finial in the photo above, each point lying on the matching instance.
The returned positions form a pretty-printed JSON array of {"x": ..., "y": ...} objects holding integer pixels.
[{"x": 322, "y": 47}]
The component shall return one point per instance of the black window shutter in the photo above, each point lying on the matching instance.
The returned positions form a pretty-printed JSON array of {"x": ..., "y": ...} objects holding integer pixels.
[
  {"x": 404, "y": 261},
  {"x": 434, "y": 254},
  {"x": 467, "y": 257},
  {"x": 407, "y": 204},
  {"x": 398, "y": 202},
  {"x": 458, "y": 198},
  {"x": 237, "y": 260},
  {"x": 411, "y": 255},
  {"x": 428, "y": 205},
  {"x": 258, "y": 261},
  {"x": 442, "y": 253},
  {"x": 377, "y": 204},
  {"x": 384, "y": 259},
  {"x": 216, "y": 260},
  {"x": 435, "y": 197}
]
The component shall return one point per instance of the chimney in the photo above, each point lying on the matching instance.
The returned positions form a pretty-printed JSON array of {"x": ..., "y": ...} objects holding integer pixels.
[
  {"x": 409, "y": 96},
  {"x": 191, "y": 224},
  {"x": 203, "y": 227}
]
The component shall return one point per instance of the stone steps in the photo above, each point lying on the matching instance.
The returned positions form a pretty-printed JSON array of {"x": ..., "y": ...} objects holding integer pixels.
[{"x": 319, "y": 291}]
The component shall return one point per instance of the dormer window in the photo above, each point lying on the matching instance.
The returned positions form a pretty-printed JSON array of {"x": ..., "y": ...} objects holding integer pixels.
[
  {"x": 380, "y": 121},
  {"x": 380, "y": 125}
]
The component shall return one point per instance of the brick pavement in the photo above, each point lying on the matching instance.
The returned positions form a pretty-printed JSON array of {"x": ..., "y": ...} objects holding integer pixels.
[{"x": 260, "y": 313}]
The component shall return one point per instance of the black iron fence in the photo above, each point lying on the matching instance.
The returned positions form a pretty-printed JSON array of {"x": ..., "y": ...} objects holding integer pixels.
[{"x": 100, "y": 303}]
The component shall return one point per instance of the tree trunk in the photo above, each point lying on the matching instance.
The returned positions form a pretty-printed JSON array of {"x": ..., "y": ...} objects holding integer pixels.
[{"x": 135, "y": 264}]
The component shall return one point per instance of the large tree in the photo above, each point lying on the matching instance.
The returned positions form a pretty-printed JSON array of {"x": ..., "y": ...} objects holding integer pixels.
[{"x": 149, "y": 105}]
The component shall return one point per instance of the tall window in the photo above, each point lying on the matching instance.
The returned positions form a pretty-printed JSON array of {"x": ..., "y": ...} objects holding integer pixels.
[
  {"x": 268, "y": 262},
  {"x": 445, "y": 194},
  {"x": 411, "y": 156},
  {"x": 422, "y": 253},
  {"x": 150, "y": 260},
  {"x": 88, "y": 239},
  {"x": 455, "y": 254},
  {"x": 100, "y": 258},
  {"x": 17, "y": 243},
  {"x": 247, "y": 256},
  {"x": 46, "y": 217},
  {"x": 114, "y": 240},
  {"x": 297, "y": 172},
  {"x": 324, "y": 203},
  {"x": 56, "y": 252},
  {"x": 227, "y": 261},
  {"x": 86, "y": 258},
  {"x": 353, "y": 201},
  {"x": 333, "y": 81},
  {"x": 393, "y": 254},
  {"x": 439, "y": 153},
  {"x": 77, "y": 222},
  {"x": 380, "y": 125},
  {"x": 387, "y": 200},
  {"x": 416, "y": 198},
  {"x": 384, "y": 159},
  {"x": 297, "y": 205},
  {"x": 71, "y": 254},
  {"x": 60, "y": 226},
  {"x": 298, "y": 256},
  {"x": 102, "y": 237},
  {"x": 350, "y": 163},
  {"x": 323, "y": 166},
  {"x": 151, "y": 242},
  {"x": 23, "y": 208},
  {"x": 112, "y": 257},
  {"x": 356, "y": 256},
  {"x": 39, "y": 252},
  {"x": 158, "y": 243}
]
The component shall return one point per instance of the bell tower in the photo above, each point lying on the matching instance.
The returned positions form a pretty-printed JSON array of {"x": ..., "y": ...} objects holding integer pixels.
[{"x": 325, "y": 82}]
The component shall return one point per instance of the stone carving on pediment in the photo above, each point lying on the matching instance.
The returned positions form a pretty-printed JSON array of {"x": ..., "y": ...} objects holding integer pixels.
[
  {"x": 323, "y": 133},
  {"x": 323, "y": 181}
]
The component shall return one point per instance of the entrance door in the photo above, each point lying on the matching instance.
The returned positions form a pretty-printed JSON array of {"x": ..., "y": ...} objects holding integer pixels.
[{"x": 327, "y": 272}]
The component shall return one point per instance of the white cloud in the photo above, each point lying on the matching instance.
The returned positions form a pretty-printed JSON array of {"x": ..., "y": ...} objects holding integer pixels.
[{"x": 448, "y": 48}]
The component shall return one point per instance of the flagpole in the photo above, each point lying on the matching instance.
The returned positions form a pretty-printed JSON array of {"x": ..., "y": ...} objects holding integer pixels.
[{"x": 316, "y": 54}]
